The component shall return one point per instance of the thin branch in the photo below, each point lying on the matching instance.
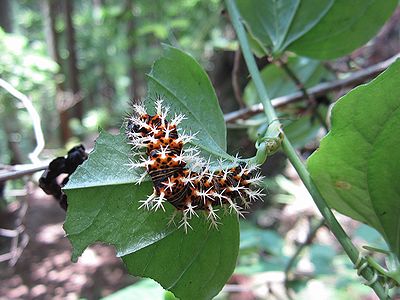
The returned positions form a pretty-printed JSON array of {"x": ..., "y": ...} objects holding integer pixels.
[
  {"x": 355, "y": 78},
  {"x": 235, "y": 78},
  {"x": 313, "y": 105},
  {"x": 18, "y": 171},
  {"x": 37, "y": 128},
  {"x": 284, "y": 65}
]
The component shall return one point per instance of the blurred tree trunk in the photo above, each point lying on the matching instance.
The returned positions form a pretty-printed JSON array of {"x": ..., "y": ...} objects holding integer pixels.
[
  {"x": 9, "y": 118},
  {"x": 49, "y": 12},
  {"x": 12, "y": 128},
  {"x": 72, "y": 59},
  {"x": 135, "y": 80},
  {"x": 6, "y": 16}
]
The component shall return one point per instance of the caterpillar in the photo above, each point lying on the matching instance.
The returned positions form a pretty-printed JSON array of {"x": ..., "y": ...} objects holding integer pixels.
[{"x": 180, "y": 175}]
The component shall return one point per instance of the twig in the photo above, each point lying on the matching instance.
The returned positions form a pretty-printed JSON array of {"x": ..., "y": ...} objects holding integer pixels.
[
  {"x": 310, "y": 98},
  {"x": 318, "y": 90},
  {"x": 37, "y": 128},
  {"x": 235, "y": 78},
  {"x": 284, "y": 65},
  {"x": 18, "y": 171}
]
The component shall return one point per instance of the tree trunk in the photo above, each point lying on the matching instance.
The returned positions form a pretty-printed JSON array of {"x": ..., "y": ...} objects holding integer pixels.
[
  {"x": 135, "y": 80},
  {"x": 12, "y": 127},
  {"x": 72, "y": 59},
  {"x": 5, "y": 16},
  {"x": 49, "y": 12}
]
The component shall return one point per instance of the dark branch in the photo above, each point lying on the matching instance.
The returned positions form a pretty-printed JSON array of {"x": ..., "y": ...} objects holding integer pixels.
[
  {"x": 235, "y": 79},
  {"x": 18, "y": 171},
  {"x": 313, "y": 105},
  {"x": 316, "y": 91}
]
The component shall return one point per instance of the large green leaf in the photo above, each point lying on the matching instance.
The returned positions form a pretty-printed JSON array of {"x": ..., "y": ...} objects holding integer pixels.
[
  {"x": 179, "y": 78},
  {"x": 276, "y": 24},
  {"x": 347, "y": 26},
  {"x": 196, "y": 265},
  {"x": 357, "y": 165},
  {"x": 103, "y": 200},
  {"x": 319, "y": 29},
  {"x": 145, "y": 289}
]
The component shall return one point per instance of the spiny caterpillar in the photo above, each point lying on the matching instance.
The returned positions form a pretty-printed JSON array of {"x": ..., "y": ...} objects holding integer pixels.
[{"x": 180, "y": 176}]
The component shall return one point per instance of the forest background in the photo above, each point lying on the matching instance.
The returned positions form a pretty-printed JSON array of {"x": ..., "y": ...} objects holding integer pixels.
[{"x": 81, "y": 63}]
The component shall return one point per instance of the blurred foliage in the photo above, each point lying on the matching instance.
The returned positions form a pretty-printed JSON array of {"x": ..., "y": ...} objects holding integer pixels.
[
  {"x": 300, "y": 126},
  {"x": 26, "y": 66},
  {"x": 118, "y": 39},
  {"x": 113, "y": 39}
]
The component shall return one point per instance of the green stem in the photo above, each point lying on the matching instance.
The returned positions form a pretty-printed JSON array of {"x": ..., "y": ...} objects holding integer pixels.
[{"x": 331, "y": 221}]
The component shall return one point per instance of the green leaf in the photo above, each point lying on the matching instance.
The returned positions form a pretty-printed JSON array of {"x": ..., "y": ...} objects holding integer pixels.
[
  {"x": 358, "y": 162},
  {"x": 192, "y": 266},
  {"x": 145, "y": 289},
  {"x": 276, "y": 24},
  {"x": 180, "y": 79},
  {"x": 103, "y": 201},
  {"x": 371, "y": 237},
  {"x": 304, "y": 129},
  {"x": 347, "y": 26},
  {"x": 318, "y": 29}
]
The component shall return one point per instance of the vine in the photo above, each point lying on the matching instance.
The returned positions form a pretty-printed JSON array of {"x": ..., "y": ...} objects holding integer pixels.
[{"x": 367, "y": 272}]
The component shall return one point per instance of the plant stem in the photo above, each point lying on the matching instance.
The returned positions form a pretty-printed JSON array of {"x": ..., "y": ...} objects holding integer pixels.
[
  {"x": 297, "y": 163},
  {"x": 321, "y": 89}
]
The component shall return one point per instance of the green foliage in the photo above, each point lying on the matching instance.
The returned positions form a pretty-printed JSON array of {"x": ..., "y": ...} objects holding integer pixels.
[
  {"x": 347, "y": 26},
  {"x": 189, "y": 91},
  {"x": 194, "y": 265},
  {"x": 145, "y": 289},
  {"x": 356, "y": 164},
  {"x": 276, "y": 24},
  {"x": 26, "y": 67},
  {"x": 261, "y": 250},
  {"x": 299, "y": 129},
  {"x": 354, "y": 169},
  {"x": 319, "y": 29},
  {"x": 104, "y": 201},
  {"x": 278, "y": 83}
]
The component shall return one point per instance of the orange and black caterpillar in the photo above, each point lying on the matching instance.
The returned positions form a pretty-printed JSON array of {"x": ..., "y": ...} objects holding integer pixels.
[{"x": 180, "y": 176}]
